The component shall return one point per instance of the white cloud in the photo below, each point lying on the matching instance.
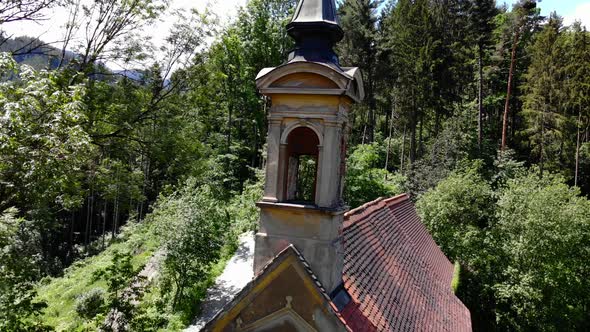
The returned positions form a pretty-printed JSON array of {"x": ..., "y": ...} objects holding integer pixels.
[
  {"x": 581, "y": 13},
  {"x": 52, "y": 29}
]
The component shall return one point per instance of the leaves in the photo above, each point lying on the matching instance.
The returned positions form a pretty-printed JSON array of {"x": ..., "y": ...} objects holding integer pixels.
[
  {"x": 526, "y": 252},
  {"x": 365, "y": 180},
  {"x": 42, "y": 140}
]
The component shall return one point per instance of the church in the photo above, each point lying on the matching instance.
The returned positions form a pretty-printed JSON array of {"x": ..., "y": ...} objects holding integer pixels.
[{"x": 319, "y": 266}]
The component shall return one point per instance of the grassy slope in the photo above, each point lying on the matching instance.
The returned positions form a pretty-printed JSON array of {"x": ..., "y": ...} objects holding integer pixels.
[
  {"x": 142, "y": 240},
  {"x": 179, "y": 320},
  {"x": 60, "y": 294}
]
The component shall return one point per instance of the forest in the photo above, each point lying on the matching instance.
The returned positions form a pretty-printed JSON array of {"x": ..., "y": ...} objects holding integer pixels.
[{"x": 479, "y": 110}]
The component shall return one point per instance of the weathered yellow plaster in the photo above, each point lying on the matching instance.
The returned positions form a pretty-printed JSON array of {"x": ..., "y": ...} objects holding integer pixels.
[{"x": 314, "y": 295}]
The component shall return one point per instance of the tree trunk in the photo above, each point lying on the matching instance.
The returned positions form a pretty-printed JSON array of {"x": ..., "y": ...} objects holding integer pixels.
[
  {"x": 71, "y": 236},
  {"x": 115, "y": 217},
  {"x": 420, "y": 136},
  {"x": 403, "y": 152},
  {"x": 480, "y": 98},
  {"x": 229, "y": 125},
  {"x": 115, "y": 210},
  {"x": 365, "y": 129},
  {"x": 389, "y": 139},
  {"x": 412, "y": 143},
  {"x": 509, "y": 88},
  {"x": 579, "y": 124},
  {"x": 541, "y": 162},
  {"x": 413, "y": 124},
  {"x": 91, "y": 220},
  {"x": 371, "y": 127},
  {"x": 104, "y": 222}
]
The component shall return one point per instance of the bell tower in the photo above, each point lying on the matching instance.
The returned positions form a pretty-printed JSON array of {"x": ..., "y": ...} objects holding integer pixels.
[{"x": 311, "y": 96}]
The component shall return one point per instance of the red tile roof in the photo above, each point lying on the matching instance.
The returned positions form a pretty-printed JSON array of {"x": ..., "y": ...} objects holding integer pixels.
[{"x": 396, "y": 275}]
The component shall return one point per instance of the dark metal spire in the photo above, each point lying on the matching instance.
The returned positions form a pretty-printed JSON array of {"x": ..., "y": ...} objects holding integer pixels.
[{"x": 315, "y": 30}]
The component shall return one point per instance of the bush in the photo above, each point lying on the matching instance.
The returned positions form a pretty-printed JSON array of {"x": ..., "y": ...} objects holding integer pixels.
[
  {"x": 457, "y": 211},
  {"x": 365, "y": 181},
  {"x": 90, "y": 304},
  {"x": 455, "y": 283},
  {"x": 194, "y": 226},
  {"x": 243, "y": 209},
  {"x": 543, "y": 240},
  {"x": 522, "y": 244},
  {"x": 20, "y": 261}
]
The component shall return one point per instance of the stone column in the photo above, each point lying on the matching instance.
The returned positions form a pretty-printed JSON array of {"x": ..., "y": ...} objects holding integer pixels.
[
  {"x": 271, "y": 188},
  {"x": 329, "y": 178}
]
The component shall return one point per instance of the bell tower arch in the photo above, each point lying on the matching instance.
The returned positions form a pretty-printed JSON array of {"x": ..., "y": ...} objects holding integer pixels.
[{"x": 311, "y": 96}]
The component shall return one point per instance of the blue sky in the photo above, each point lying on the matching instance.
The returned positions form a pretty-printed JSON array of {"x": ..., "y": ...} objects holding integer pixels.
[{"x": 570, "y": 10}]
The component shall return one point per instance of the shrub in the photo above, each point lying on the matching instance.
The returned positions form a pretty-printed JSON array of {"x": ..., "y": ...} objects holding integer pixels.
[
  {"x": 365, "y": 181},
  {"x": 195, "y": 226},
  {"x": 20, "y": 260},
  {"x": 456, "y": 212},
  {"x": 542, "y": 238},
  {"x": 90, "y": 304}
]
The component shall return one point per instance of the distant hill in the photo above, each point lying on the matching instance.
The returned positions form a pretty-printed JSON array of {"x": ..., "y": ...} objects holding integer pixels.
[
  {"x": 34, "y": 52},
  {"x": 40, "y": 55}
]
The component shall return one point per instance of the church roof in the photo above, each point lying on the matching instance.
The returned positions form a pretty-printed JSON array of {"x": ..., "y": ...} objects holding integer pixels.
[{"x": 397, "y": 277}]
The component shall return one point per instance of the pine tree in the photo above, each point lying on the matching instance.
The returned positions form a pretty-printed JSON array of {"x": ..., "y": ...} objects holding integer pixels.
[
  {"x": 543, "y": 107},
  {"x": 358, "y": 19},
  {"x": 524, "y": 16},
  {"x": 578, "y": 71},
  {"x": 481, "y": 25}
]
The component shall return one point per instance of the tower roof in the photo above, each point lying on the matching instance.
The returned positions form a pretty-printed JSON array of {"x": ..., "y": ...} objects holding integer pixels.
[
  {"x": 315, "y": 11},
  {"x": 315, "y": 29}
]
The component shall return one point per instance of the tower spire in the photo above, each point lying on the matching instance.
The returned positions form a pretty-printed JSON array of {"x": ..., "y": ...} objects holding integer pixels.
[{"x": 315, "y": 29}]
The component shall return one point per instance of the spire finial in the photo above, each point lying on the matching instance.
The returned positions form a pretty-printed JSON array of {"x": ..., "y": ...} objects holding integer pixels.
[{"x": 315, "y": 29}]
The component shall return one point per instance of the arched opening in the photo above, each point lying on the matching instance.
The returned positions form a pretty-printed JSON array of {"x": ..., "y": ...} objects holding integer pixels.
[{"x": 301, "y": 165}]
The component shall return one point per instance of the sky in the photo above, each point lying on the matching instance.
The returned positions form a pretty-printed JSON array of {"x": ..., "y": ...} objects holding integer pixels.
[
  {"x": 52, "y": 29},
  {"x": 570, "y": 10}
]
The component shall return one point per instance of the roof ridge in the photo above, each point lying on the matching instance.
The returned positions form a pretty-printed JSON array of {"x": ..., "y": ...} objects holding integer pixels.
[
  {"x": 397, "y": 199},
  {"x": 388, "y": 201},
  {"x": 363, "y": 207}
]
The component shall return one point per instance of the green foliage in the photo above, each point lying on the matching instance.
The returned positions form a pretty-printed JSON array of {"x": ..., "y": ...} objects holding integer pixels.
[
  {"x": 543, "y": 232},
  {"x": 506, "y": 167},
  {"x": 358, "y": 19},
  {"x": 456, "y": 282},
  {"x": 365, "y": 181},
  {"x": 543, "y": 101},
  {"x": 457, "y": 211},
  {"x": 42, "y": 142},
  {"x": 90, "y": 304},
  {"x": 123, "y": 287},
  {"x": 84, "y": 149},
  {"x": 194, "y": 234},
  {"x": 20, "y": 258},
  {"x": 444, "y": 154},
  {"x": 522, "y": 244},
  {"x": 243, "y": 209},
  {"x": 62, "y": 293}
]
